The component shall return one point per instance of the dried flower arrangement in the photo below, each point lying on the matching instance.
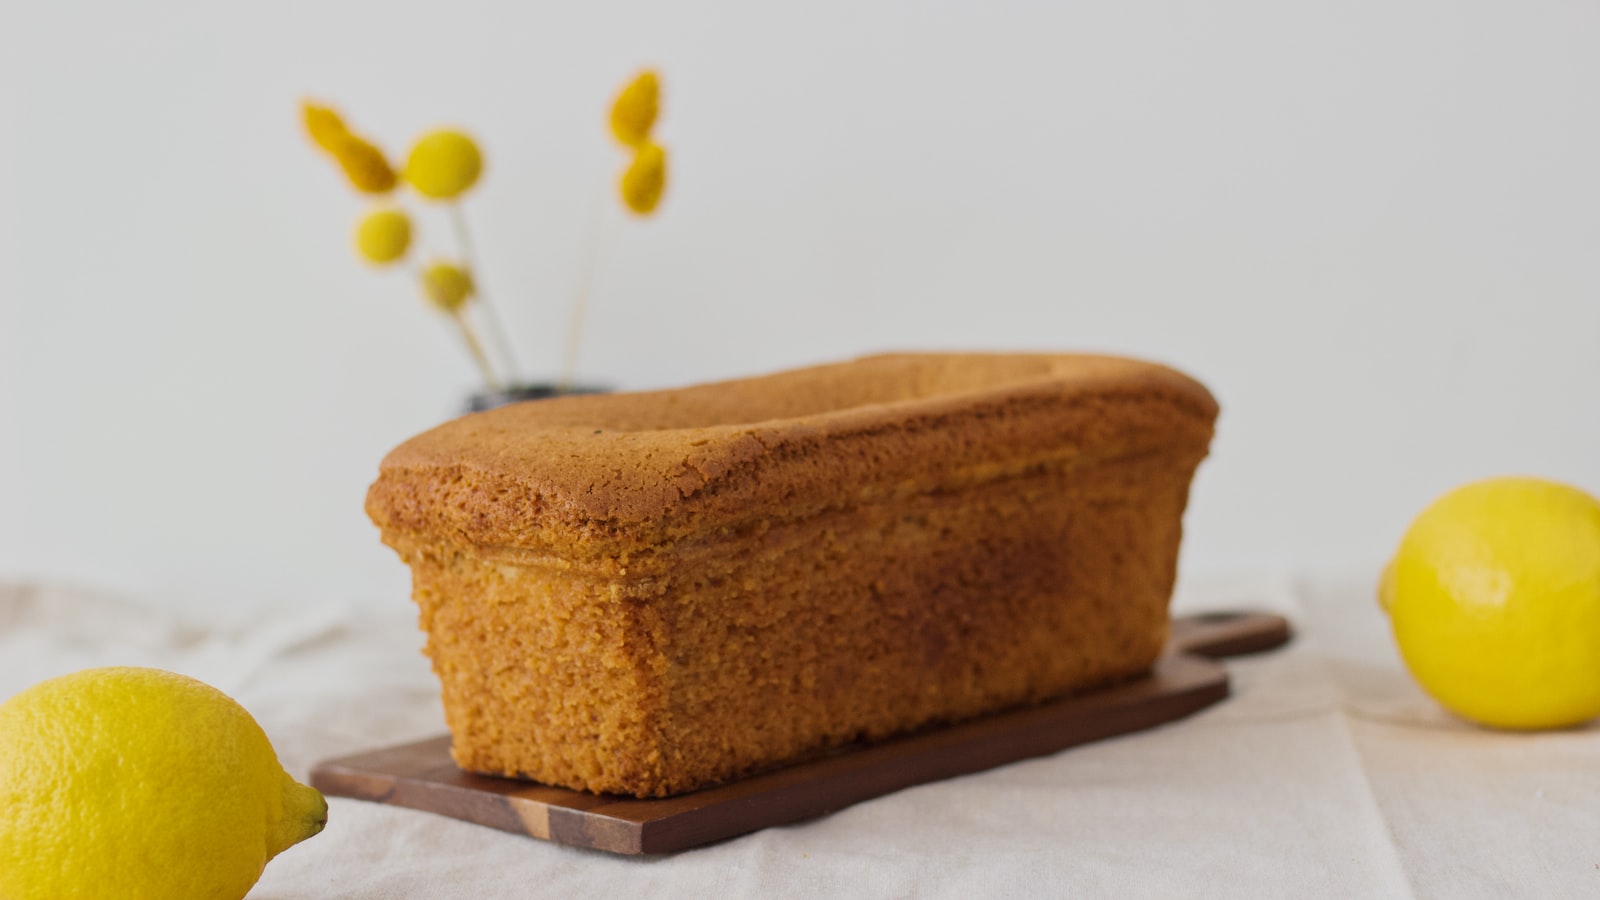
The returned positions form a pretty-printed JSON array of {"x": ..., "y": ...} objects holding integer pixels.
[{"x": 443, "y": 165}]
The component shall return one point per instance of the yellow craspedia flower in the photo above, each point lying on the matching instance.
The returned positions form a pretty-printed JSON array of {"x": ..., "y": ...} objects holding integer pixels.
[
  {"x": 444, "y": 164},
  {"x": 383, "y": 236},
  {"x": 645, "y": 179},
  {"x": 634, "y": 112},
  {"x": 447, "y": 286},
  {"x": 324, "y": 126},
  {"x": 365, "y": 165}
]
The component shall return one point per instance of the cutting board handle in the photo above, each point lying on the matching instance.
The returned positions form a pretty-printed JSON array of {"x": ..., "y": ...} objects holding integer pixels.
[{"x": 1217, "y": 635}]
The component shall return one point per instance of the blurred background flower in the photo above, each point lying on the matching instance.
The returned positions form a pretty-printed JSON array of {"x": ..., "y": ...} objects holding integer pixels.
[{"x": 442, "y": 166}]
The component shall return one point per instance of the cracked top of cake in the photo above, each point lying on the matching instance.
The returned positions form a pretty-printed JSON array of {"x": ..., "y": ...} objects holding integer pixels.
[{"x": 614, "y": 474}]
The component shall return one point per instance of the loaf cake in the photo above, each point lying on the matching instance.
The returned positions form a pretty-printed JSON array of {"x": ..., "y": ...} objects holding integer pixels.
[{"x": 649, "y": 593}]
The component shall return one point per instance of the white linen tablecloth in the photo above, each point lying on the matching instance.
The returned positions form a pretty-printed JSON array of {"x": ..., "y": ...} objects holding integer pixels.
[{"x": 1328, "y": 774}]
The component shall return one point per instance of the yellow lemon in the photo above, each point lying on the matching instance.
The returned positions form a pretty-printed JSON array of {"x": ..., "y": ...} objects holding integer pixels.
[
  {"x": 444, "y": 164},
  {"x": 1494, "y": 595},
  {"x": 140, "y": 784},
  {"x": 447, "y": 286},
  {"x": 383, "y": 236}
]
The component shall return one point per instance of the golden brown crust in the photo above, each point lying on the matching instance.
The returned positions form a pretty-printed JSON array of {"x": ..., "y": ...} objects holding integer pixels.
[
  {"x": 649, "y": 593},
  {"x": 629, "y": 471}
]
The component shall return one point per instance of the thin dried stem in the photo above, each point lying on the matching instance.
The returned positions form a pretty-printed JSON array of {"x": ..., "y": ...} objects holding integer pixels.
[
  {"x": 469, "y": 256},
  {"x": 475, "y": 347},
  {"x": 599, "y": 239}
]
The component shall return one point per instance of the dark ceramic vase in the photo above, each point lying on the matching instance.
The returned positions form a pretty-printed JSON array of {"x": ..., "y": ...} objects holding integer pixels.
[{"x": 517, "y": 393}]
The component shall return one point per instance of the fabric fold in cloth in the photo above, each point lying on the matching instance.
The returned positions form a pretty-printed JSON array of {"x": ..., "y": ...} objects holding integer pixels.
[{"x": 1327, "y": 774}]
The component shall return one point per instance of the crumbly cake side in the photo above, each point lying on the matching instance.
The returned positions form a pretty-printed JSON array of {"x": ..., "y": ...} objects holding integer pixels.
[
  {"x": 545, "y": 674},
  {"x": 882, "y": 566}
]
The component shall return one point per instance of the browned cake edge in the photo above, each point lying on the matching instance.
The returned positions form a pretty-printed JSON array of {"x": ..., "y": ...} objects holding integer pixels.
[{"x": 627, "y": 472}]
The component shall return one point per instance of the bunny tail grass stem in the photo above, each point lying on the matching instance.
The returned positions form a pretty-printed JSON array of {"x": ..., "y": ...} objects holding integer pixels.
[
  {"x": 598, "y": 239},
  {"x": 475, "y": 347},
  {"x": 469, "y": 255}
]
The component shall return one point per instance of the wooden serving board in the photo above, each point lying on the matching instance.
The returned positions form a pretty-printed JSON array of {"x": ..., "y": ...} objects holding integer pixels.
[{"x": 1185, "y": 680}]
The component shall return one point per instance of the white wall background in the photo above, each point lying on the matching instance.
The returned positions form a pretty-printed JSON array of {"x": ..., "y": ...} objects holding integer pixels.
[{"x": 1373, "y": 228}]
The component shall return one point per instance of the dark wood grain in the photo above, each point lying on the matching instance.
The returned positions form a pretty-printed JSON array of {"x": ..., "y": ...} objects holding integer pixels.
[{"x": 421, "y": 775}]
